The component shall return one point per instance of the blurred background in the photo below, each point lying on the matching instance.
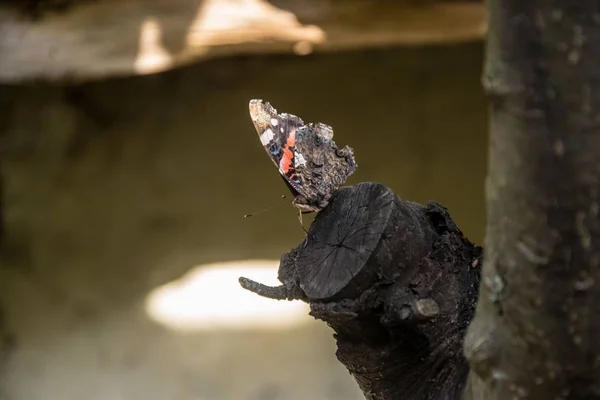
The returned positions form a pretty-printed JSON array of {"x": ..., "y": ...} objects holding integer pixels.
[{"x": 128, "y": 160}]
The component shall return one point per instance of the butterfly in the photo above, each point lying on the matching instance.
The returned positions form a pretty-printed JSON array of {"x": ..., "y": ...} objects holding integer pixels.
[{"x": 307, "y": 158}]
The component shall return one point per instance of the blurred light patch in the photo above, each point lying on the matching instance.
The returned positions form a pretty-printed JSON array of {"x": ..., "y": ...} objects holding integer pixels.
[
  {"x": 303, "y": 48},
  {"x": 210, "y": 297},
  {"x": 152, "y": 56},
  {"x": 220, "y": 22}
]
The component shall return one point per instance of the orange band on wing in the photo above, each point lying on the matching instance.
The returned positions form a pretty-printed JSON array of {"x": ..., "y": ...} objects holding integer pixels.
[{"x": 285, "y": 164}]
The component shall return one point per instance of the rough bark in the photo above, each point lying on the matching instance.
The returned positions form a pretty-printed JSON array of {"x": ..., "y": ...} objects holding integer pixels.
[
  {"x": 535, "y": 331},
  {"x": 397, "y": 282}
]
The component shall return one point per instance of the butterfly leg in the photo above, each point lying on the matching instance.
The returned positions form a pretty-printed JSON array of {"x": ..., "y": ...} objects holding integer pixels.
[
  {"x": 301, "y": 223},
  {"x": 306, "y": 233}
]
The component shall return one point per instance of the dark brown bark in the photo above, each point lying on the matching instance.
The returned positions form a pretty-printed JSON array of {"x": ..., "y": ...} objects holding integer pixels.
[
  {"x": 397, "y": 282},
  {"x": 535, "y": 334}
]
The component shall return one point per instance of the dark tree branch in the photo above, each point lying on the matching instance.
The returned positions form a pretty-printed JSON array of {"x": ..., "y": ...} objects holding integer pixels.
[
  {"x": 535, "y": 332},
  {"x": 397, "y": 282}
]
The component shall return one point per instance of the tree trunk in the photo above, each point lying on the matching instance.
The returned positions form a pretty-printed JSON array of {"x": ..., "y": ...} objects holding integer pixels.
[{"x": 534, "y": 335}]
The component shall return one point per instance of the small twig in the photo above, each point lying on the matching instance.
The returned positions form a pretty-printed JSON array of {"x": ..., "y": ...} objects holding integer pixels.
[{"x": 271, "y": 292}]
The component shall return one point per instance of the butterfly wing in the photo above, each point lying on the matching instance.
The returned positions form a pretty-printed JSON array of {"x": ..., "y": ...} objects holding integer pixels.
[
  {"x": 308, "y": 159},
  {"x": 277, "y": 133}
]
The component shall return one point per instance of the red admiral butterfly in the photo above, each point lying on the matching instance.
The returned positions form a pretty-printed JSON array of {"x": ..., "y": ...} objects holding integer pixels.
[{"x": 308, "y": 159}]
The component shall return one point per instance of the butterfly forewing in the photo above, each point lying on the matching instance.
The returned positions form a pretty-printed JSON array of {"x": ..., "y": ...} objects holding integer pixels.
[{"x": 277, "y": 135}]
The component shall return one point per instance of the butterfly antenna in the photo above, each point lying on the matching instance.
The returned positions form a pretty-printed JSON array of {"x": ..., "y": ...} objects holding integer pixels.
[{"x": 283, "y": 197}]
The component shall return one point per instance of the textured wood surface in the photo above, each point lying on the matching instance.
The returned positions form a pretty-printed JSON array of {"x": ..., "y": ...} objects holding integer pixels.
[
  {"x": 397, "y": 282},
  {"x": 535, "y": 335}
]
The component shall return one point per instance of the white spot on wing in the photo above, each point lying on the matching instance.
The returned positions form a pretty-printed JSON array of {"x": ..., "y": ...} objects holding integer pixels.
[
  {"x": 274, "y": 121},
  {"x": 298, "y": 159},
  {"x": 266, "y": 137}
]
